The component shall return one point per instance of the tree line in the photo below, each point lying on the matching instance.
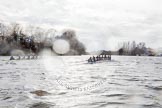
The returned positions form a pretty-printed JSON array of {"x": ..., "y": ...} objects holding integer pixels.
[
  {"x": 133, "y": 48},
  {"x": 34, "y": 39}
]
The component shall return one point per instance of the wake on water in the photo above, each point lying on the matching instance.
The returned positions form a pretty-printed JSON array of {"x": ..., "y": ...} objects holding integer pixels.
[{"x": 123, "y": 82}]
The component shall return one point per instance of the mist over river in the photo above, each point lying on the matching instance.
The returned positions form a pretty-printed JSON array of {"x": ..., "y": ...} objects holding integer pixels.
[{"x": 70, "y": 82}]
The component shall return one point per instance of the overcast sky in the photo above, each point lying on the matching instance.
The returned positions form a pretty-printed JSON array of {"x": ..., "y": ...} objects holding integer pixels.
[{"x": 99, "y": 24}]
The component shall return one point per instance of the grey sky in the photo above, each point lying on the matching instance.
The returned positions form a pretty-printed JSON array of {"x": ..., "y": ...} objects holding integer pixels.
[{"x": 100, "y": 24}]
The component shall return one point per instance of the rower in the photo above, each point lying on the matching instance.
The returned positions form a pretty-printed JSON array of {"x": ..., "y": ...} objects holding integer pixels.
[
  {"x": 19, "y": 58},
  {"x": 28, "y": 57},
  {"x": 94, "y": 60},
  {"x": 12, "y": 58},
  {"x": 36, "y": 57},
  {"x": 97, "y": 58},
  {"x": 32, "y": 57},
  {"x": 109, "y": 57},
  {"x": 102, "y": 57},
  {"x": 90, "y": 59},
  {"x": 23, "y": 57},
  {"x": 105, "y": 56}
]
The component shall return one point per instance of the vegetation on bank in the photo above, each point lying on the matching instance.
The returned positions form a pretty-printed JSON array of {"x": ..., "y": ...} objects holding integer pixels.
[
  {"x": 133, "y": 49},
  {"x": 34, "y": 39},
  {"x": 130, "y": 49},
  {"x": 31, "y": 39}
]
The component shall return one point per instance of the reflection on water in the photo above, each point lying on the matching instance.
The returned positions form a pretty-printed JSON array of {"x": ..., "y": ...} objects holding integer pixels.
[{"x": 127, "y": 82}]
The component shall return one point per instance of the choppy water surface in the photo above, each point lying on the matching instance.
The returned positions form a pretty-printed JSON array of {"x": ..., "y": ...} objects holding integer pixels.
[{"x": 69, "y": 82}]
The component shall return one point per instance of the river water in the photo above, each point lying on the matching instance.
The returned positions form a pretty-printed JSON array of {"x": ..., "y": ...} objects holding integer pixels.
[{"x": 70, "y": 82}]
